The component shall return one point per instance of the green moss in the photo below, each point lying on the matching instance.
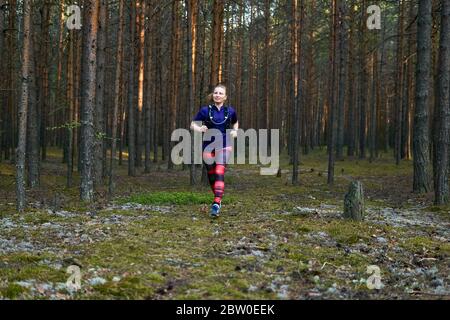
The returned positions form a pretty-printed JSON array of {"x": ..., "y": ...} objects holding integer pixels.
[
  {"x": 24, "y": 266},
  {"x": 445, "y": 248},
  {"x": 165, "y": 198},
  {"x": 348, "y": 232},
  {"x": 417, "y": 244},
  {"x": 7, "y": 169},
  {"x": 13, "y": 291},
  {"x": 128, "y": 288},
  {"x": 443, "y": 211}
]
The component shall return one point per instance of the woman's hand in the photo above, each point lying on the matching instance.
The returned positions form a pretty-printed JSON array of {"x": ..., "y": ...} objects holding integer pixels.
[
  {"x": 197, "y": 128},
  {"x": 233, "y": 133}
]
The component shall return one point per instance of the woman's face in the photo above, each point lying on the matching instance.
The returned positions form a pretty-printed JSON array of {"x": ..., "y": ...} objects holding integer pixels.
[{"x": 219, "y": 95}]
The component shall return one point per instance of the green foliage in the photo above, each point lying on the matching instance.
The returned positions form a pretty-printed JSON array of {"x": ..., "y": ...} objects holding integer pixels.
[{"x": 68, "y": 125}]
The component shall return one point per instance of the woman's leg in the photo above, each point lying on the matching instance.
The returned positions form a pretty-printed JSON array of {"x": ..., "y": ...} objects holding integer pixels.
[
  {"x": 219, "y": 183},
  {"x": 220, "y": 168},
  {"x": 210, "y": 168}
]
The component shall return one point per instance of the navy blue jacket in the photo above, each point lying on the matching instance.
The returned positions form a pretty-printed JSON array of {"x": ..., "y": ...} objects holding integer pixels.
[{"x": 217, "y": 122}]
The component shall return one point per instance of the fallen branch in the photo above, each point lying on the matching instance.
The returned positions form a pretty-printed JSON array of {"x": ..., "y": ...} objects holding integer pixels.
[
  {"x": 329, "y": 264},
  {"x": 428, "y": 259}
]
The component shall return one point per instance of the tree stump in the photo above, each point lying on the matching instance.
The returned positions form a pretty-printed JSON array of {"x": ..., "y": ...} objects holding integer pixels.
[{"x": 354, "y": 202}]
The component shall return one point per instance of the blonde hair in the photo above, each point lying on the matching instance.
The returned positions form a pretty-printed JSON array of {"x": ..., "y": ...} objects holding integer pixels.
[{"x": 210, "y": 96}]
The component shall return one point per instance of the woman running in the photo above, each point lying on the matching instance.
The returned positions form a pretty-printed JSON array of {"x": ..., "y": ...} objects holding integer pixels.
[{"x": 220, "y": 117}]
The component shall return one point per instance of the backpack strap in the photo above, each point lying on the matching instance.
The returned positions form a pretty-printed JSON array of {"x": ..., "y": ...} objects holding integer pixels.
[{"x": 227, "y": 116}]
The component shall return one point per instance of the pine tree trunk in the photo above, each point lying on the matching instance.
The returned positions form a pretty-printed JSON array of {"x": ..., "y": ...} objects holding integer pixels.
[
  {"x": 141, "y": 76},
  {"x": 373, "y": 107},
  {"x": 363, "y": 86},
  {"x": 59, "y": 100},
  {"x": 342, "y": 81},
  {"x": 100, "y": 93},
  {"x": 442, "y": 111},
  {"x": 10, "y": 142},
  {"x": 382, "y": 111},
  {"x": 71, "y": 104},
  {"x": 158, "y": 93},
  {"x": 122, "y": 117},
  {"x": 408, "y": 97},
  {"x": 174, "y": 76},
  {"x": 131, "y": 106},
  {"x": 2, "y": 78},
  {"x": 33, "y": 161},
  {"x": 88, "y": 86},
  {"x": 399, "y": 85},
  {"x": 421, "y": 137},
  {"x": 239, "y": 69},
  {"x": 148, "y": 94},
  {"x": 192, "y": 6},
  {"x": 267, "y": 44},
  {"x": 77, "y": 99},
  {"x": 334, "y": 56},
  {"x": 118, "y": 94},
  {"x": 227, "y": 65},
  {"x": 251, "y": 72},
  {"x": 351, "y": 96},
  {"x": 216, "y": 36},
  {"x": 43, "y": 96},
  {"x": 295, "y": 53},
  {"x": 27, "y": 75}
]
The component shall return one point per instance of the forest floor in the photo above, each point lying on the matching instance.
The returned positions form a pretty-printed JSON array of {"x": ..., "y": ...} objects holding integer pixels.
[{"x": 155, "y": 240}]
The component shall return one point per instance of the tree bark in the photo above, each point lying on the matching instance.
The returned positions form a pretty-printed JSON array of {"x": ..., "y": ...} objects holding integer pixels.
[
  {"x": 295, "y": 53},
  {"x": 141, "y": 76},
  {"x": 2, "y": 78},
  {"x": 174, "y": 77},
  {"x": 88, "y": 86},
  {"x": 100, "y": 93},
  {"x": 10, "y": 117},
  {"x": 23, "y": 107},
  {"x": 421, "y": 141},
  {"x": 351, "y": 117},
  {"x": 342, "y": 81},
  {"x": 267, "y": 45},
  {"x": 442, "y": 110},
  {"x": 362, "y": 86},
  {"x": 131, "y": 106},
  {"x": 33, "y": 161},
  {"x": 373, "y": 106},
  {"x": 334, "y": 56},
  {"x": 399, "y": 85},
  {"x": 192, "y": 6},
  {"x": 216, "y": 36},
  {"x": 354, "y": 202},
  {"x": 117, "y": 94},
  {"x": 43, "y": 76},
  {"x": 148, "y": 103},
  {"x": 71, "y": 103}
]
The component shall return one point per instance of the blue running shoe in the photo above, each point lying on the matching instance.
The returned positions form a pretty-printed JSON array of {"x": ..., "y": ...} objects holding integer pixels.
[{"x": 215, "y": 209}]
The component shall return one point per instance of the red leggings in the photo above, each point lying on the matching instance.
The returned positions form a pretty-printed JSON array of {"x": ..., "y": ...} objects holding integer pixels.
[{"x": 216, "y": 171}]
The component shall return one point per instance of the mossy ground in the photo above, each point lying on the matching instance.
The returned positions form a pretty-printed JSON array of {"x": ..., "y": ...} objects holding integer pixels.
[{"x": 262, "y": 247}]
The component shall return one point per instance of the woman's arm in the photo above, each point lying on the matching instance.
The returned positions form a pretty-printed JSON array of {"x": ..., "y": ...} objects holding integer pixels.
[
  {"x": 236, "y": 126},
  {"x": 198, "y": 128},
  {"x": 235, "y": 130}
]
